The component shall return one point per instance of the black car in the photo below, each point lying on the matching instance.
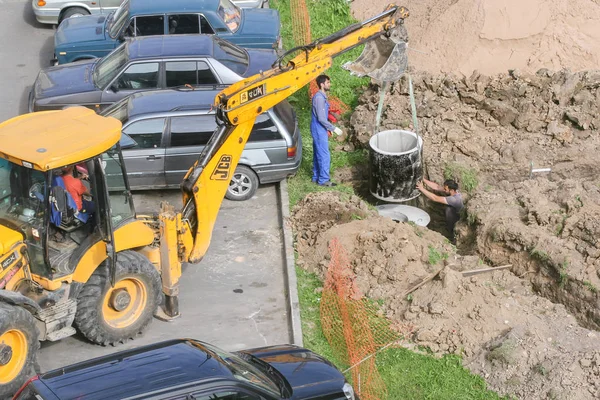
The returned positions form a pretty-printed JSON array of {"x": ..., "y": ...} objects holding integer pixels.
[
  {"x": 147, "y": 63},
  {"x": 188, "y": 369}
]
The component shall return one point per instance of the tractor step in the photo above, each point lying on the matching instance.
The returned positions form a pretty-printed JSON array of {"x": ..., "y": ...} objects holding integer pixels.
[{"x": 63, "y": 333}]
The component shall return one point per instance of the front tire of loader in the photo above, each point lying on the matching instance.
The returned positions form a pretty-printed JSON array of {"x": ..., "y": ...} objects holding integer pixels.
[
  {"x": 18, "y": 348},
  {"x": 112, "y": 315}
]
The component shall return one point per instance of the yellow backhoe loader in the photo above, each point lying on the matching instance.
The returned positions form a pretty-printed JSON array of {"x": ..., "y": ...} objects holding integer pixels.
[{"x": 107, "y": 272}]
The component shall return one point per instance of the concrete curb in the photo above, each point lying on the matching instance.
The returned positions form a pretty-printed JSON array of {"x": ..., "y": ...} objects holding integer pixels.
[{"x": 293, "y": 304}]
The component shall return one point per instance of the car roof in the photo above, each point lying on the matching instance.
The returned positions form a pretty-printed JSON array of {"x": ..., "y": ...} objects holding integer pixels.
[
  {"x": 137, "y": 371},
  {"x": 137, "y": 7},
  {"x": 171, "y": 46},
  {"x": 164, "y": 100},
  {"x": 53, "y": 139}
]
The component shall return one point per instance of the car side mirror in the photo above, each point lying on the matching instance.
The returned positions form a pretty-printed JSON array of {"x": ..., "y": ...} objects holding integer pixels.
[{"x": 114, "y": 88}]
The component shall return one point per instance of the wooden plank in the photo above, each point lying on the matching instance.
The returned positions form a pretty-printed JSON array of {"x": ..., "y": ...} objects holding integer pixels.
[
  {"x": 484, "y": 270},
  {"x": 424, "y": 281}
]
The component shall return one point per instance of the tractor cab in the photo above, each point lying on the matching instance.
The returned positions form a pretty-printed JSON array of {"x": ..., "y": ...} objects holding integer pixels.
[{"x": 54, "y": 187}]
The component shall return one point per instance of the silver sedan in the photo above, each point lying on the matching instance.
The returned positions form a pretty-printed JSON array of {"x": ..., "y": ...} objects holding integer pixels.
[{"x": 54, "y": 11}]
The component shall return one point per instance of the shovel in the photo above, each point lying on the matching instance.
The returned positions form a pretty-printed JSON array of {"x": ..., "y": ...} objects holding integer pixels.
[{"x": 384, "y": 59}]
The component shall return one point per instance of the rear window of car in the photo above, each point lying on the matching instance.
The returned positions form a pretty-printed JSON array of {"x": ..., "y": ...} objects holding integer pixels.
[
  {"x": 285, "y": 113},
  {"x": 264, "y": 129},
  {"x": 233, "y": 57}
]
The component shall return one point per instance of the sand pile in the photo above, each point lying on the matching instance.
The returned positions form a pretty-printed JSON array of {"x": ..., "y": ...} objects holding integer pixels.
[{"x": 461, "y": 36}]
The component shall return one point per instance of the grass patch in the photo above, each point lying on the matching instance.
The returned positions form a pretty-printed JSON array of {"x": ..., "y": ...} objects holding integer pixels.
[
  {"x": 563, "y": 276},
  {"x": 504, "y": 353},
  {"x": 309, "y": 286},
  {"x": 540, "y": 255},
  {"x": 590, "y": 286},
  {"x": 416, "y": 376},
  {"x": 326, "y": 18},
  {"x": 540, "y": 369},
  {"x": 465, "y": 177},
  {"x": 435, "y": 256},
  {"x": 561, "y": 224}
]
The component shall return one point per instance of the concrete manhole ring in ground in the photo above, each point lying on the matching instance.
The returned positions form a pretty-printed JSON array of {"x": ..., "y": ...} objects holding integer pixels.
[{"x": 404, "y": 213}]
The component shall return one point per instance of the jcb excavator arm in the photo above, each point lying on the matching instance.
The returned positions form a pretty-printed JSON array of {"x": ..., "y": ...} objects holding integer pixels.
[
  {"x": 384, "y": 59},
  {"x": 238, "y": 106}
]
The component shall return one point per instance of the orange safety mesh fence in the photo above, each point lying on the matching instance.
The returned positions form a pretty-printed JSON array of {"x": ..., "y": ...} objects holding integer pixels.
[
  {"x": 354, "y": 326},
  {"x": 300, "y": 22},
  {"x": 302, "y": 35}
]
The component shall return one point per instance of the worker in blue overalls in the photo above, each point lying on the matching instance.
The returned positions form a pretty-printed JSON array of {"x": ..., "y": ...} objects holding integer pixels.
[{"x": 321, "y": 129}]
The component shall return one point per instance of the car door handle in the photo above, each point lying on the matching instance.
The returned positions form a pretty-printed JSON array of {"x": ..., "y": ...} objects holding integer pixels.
[{"x": 153, "y": 157}]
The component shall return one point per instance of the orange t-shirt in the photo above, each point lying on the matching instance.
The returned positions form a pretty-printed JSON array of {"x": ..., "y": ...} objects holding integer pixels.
[{"x": 76, "y": 189}]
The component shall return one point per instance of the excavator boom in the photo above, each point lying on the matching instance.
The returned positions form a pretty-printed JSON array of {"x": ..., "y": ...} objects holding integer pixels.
[{"x": 384, "y": 58}]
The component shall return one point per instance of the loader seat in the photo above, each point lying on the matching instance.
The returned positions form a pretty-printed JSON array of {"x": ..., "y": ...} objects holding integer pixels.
[{"x": 64, "y": 213}]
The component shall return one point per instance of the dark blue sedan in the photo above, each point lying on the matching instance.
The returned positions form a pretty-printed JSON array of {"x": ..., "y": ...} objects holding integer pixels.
[
  {"x": 148, "y": 63},
  {"x": 188, "y": 369},
  {"x": 95, "y": 36}
]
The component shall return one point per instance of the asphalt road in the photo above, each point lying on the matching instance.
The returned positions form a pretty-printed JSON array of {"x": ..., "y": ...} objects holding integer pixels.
[{"x": 236, "y": 297}]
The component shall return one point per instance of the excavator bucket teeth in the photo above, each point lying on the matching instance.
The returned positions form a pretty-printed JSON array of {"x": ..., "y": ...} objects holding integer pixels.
[{"x": 383, "y": 59}]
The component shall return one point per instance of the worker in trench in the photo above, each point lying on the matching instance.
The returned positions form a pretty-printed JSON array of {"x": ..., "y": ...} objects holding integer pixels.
[{"x": 452, "y": 198}]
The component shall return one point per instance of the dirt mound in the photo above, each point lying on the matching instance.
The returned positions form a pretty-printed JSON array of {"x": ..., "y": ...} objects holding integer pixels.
[
  {"x": 504, "y": 331},
  {"x": 494, "y": 36},
  {"x": 522, "y": 344},
  {"x": 497, "y": 127},
  {"x": 318, "y": 212}
]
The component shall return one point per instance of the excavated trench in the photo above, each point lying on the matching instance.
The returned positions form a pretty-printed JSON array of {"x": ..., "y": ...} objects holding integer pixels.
[{"x": 493, "y": 130}]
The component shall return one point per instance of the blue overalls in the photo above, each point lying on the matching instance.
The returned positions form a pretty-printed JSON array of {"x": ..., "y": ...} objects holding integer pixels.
[{"x": 321, "y": 158}]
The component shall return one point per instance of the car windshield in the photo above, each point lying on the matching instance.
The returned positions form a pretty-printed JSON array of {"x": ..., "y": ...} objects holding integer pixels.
[
  {"x": 233, "y": 57},
  {"x": 108, "y": 67},
  {"x": 230, "y": 14},
  {"x": 118, "y": 19},
  {"x": 243, "y": 370}
]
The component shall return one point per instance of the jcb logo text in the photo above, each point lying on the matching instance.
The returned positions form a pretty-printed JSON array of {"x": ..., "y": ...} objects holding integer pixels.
[{"x": 221, "y": 172}]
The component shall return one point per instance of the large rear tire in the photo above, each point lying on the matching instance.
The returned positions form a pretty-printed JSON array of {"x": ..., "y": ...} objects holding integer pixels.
[
  {"x": 113, "y": 315},
  {"x": 18, "y": 348}
]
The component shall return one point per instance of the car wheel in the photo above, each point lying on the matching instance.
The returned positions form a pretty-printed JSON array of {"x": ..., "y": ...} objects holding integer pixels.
[
  {"x": 243, "y": 184},
  {"x": 73, "y": 13}
]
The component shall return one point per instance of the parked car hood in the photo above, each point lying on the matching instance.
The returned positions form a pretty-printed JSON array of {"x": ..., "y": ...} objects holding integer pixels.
[
  {"x": 81, "y": 29},
  {"x": 260, "y": 60},
  {"x": 65, "y": 79},
  {"x": 307, "y": 373},
  {"x": 260, "y": 21}
]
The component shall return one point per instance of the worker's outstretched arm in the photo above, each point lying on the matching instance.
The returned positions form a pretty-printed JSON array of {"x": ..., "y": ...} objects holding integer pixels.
[{"x": 238, "y": 106}]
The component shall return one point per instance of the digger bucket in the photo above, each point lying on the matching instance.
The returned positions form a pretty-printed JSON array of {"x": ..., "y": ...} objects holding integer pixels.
[{"x": 384, "y": 58}]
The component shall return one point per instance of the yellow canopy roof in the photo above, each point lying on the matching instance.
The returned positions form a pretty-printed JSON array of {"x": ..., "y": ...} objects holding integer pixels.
[{"x": 53, "y": 139}]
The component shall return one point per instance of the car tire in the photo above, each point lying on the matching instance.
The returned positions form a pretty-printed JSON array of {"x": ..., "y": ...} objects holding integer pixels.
[
  {"x": 20, "y": 345},
  {"x": 103, "y": 323},
  {"x": 73, "y": 12},
  {"x": 243, "y": 184}
]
